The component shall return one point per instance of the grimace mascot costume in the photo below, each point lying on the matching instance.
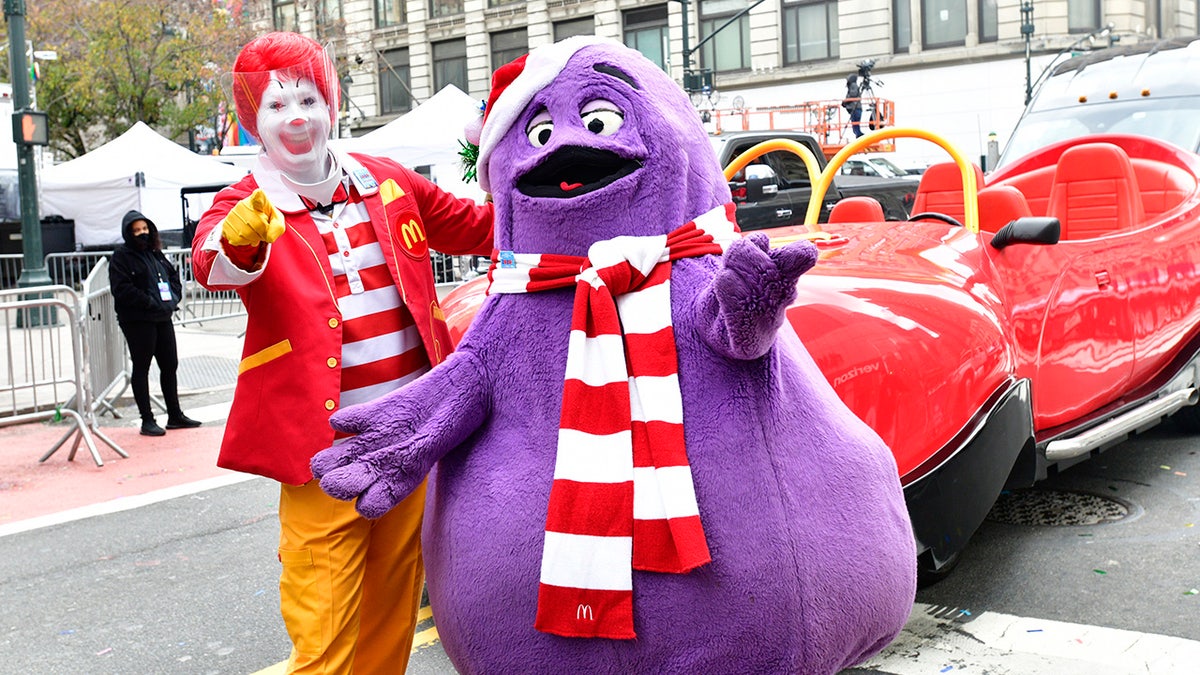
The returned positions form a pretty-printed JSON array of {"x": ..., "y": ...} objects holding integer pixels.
[{"x": 639, "y": 469}]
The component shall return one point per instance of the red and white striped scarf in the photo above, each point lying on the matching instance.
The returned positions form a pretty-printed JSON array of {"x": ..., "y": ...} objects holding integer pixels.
[{"x": 622, "y": 497}]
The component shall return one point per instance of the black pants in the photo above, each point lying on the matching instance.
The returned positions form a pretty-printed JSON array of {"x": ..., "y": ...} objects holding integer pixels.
[{"x": 153, "y": 340}]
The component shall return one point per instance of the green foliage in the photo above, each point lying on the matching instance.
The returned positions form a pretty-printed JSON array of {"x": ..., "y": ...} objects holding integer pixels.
[
  {"x": 121, "y": 61},
  {"x": 469, "y": 156}
]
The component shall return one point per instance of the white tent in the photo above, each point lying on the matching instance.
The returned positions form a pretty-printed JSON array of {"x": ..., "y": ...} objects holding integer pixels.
[
  {"x": 137, "y": 170},
  {"x": 428, "y": 135}
]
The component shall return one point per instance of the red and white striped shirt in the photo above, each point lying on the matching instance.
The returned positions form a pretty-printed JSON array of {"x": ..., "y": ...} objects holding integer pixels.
[{"x": 381, "y": 348}]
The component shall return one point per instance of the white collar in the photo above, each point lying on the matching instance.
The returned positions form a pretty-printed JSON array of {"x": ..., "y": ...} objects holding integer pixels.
[{"x": 285, "y": 194}]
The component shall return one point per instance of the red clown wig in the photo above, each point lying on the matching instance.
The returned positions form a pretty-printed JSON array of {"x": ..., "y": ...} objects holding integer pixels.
[{"x": 289, "y": 53}]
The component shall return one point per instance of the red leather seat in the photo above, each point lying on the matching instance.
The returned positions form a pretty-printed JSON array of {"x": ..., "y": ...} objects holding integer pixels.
[
  {"x": 1095, "y": 192},
  {"x": 999, "y": 205},
  {"x": 857, "y": 210},
  {"x": 1163, "y": 186},
  {"x": 941, "y": 190}
]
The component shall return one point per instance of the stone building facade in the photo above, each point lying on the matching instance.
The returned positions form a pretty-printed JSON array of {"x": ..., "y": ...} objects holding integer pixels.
[{"x": 394, "y": 54}]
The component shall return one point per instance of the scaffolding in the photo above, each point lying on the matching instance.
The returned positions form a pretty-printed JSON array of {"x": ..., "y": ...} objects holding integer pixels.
[{"x": 828, "y": 121}]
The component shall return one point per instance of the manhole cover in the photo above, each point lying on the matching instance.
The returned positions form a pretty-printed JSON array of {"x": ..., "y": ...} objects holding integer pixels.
[{"x": 1056, "y": 507}]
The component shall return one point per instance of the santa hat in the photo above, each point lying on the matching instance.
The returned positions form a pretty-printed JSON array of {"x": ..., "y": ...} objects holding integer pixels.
[{"x": 513, "y": 86}]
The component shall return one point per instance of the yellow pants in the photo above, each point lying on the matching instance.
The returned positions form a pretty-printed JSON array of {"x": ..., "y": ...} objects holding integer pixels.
[{"x": 350, "y": 587}]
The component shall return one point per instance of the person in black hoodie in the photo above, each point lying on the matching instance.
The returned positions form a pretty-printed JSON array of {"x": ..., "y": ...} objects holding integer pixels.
[{"x": 146, "y": 290}]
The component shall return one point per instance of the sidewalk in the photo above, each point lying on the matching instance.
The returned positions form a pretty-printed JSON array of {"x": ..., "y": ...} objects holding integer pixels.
[{"x": 208, "y": 358}]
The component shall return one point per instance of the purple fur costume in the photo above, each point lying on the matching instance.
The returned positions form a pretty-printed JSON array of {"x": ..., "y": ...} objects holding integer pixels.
[{"x": 813, "y": 561}]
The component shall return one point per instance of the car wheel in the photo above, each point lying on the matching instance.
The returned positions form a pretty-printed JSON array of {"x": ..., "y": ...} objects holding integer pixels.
[{"x": 929, "y": 574}]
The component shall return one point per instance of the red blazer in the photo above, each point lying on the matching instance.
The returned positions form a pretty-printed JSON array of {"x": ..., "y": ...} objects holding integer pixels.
[{"x": 290, "y": 375}]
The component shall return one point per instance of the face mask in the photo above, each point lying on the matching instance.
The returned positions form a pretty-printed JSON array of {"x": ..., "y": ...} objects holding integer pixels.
[{"x": 143, "y": 239}]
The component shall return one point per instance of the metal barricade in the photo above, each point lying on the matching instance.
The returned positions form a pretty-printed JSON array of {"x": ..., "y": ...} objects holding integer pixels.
[
  {"x": 70, "y": 269},
  {"x": 199, "y": 304},
  {"x": 46, "y": 363},
  {"x": 107, "y": 365},
  {"x": 11, "y": 265}
]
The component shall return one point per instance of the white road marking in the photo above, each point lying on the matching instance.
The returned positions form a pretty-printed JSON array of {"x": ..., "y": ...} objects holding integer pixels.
[
  {"x": 950, "y": 640},
  {"x": 210, "y": 413},
  {"x": 122, "y": 504}
]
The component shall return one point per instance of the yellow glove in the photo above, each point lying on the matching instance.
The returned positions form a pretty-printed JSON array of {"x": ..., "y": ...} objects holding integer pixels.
[{"x": 252, "y": 221}]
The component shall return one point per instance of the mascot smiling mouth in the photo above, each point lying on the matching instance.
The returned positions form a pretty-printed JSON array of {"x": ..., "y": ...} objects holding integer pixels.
[{"x": 575, "y": 170}]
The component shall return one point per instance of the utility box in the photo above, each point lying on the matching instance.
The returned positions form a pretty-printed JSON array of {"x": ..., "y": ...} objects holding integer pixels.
[
  {"x": 10, "y": 237},
  {"x": 58, "y": 236}
]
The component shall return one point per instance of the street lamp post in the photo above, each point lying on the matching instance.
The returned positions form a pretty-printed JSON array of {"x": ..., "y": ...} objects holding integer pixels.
[
  {"x": 1027, "y": 33},
  {"x": 702, "y": 81},
  {"x": 34, "y": 272}
]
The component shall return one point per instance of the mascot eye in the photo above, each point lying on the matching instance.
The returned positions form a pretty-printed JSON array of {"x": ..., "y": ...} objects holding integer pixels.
[
  {"x": 539, "y": 132},
  {"x": 603, "y": 121}
]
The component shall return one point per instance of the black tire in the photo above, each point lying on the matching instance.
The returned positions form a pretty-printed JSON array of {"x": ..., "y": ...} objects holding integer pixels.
[{"x": 928, "y": 574}]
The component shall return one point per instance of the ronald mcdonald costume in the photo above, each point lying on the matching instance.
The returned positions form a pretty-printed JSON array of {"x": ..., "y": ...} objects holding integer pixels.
[{"x": 329, "y": 253}]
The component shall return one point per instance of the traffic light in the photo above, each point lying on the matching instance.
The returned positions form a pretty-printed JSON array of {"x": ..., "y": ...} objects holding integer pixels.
[
  {"x": 31, "y": 127},
  {"x": 697, "y": 80}
]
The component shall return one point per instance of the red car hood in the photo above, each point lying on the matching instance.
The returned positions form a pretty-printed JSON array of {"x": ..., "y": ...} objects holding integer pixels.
[{"x": 902, "y": 320}]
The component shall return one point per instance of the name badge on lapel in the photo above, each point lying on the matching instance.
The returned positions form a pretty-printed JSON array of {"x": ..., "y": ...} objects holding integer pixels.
[{"x": 364, "y": 179}]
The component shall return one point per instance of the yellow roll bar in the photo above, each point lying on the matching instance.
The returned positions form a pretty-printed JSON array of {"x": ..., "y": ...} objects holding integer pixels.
[
  {"x": 810, "y": 161},
  {"x": 970, "y": 189}
]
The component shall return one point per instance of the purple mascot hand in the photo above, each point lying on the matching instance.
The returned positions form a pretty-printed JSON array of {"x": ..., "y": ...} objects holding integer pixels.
[
  {"x": 378, "y": 479},
  {"x": 752, "y": 290},
  {"x": 399, "y": 437}
]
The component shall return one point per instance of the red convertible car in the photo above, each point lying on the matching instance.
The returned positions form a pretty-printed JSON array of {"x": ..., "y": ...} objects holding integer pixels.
[{"x": 1005, "y": 330}]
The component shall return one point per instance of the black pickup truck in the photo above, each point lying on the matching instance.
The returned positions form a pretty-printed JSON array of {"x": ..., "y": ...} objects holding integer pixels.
[{"x": 780, "y": 195}]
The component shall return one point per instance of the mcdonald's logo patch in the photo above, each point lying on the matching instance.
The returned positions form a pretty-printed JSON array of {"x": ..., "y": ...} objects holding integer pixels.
[
  {"x": 584, "y": 613},
  {"x": 412, "y": 239}
]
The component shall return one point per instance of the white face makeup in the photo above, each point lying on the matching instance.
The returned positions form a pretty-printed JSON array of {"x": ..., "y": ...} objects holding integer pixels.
[{"x": 293, "y": 126}]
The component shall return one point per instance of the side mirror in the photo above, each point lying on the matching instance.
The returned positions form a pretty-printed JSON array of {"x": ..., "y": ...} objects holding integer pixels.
[
  {"x": 761, "y": 183},
  {"x": 1028, "y": 230}
]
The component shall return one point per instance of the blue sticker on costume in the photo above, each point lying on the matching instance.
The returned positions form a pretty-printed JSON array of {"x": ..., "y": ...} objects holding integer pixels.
[
  {"x": 508, "y": 260},
  {"x": 364, "y": 179}
]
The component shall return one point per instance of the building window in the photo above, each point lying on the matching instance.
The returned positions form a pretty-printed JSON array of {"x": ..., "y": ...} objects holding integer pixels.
[
  {"x": 943, "y": 23},
  {"x": 989, "y": 30},
  {"x": 327, "y": 17},
  {"x": 730, "y": 49},
  {"x": 1083, "y": 16},
  {"x": 328, "y": 11},
  {"x": 394, "y": 94},
  {"x": 566, "y": 29},
  {"x": 646, "y": 31},
  {"x": 439, "y": 8},
  {"x": 284, "y": 14},
  {"x": 501, "y": 3},
  {"x": 389, "y": 13},
  {"x": 810, "y": 31},
  {"x": 450, "y": 64},
  {"x": 901, "y": 26},
  {"x": 508, "y": 45}
]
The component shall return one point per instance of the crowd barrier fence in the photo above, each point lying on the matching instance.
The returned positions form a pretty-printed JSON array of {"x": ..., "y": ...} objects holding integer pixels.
[{"x": 46, "y": 365}]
